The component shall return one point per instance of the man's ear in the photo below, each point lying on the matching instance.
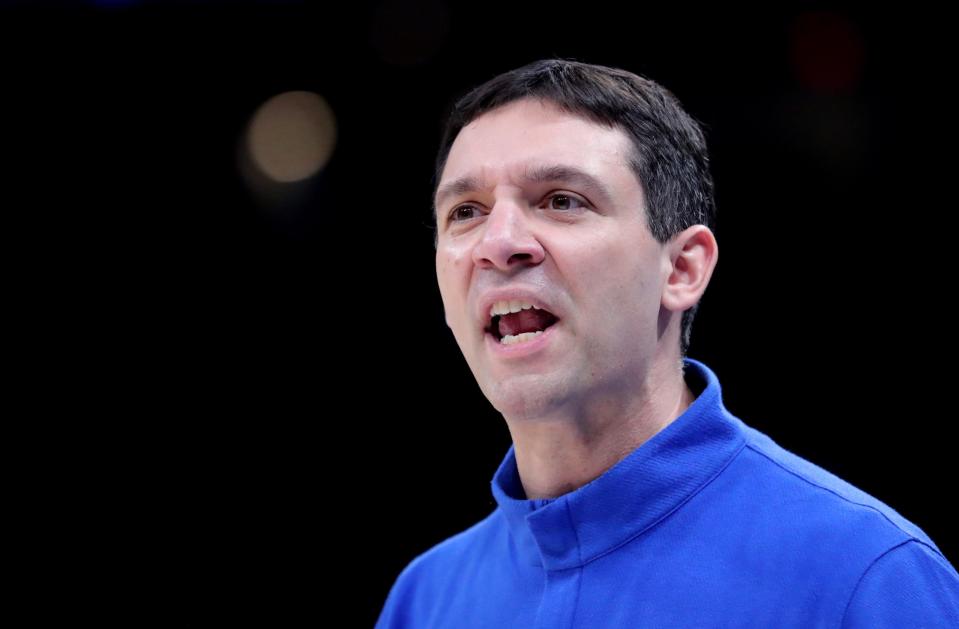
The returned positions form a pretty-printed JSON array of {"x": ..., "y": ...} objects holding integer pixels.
[{"x": 693, "y": 253}]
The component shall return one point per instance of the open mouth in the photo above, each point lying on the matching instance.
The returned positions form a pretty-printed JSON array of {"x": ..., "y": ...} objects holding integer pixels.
[{"x": 518, "y": 327}]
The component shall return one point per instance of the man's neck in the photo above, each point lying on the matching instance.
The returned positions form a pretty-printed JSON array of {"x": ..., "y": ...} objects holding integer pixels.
[{"x": 556, "y": 457}]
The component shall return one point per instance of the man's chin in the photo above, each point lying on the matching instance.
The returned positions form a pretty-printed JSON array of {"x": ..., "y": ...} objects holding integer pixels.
[{"x": 522, "y": 397}]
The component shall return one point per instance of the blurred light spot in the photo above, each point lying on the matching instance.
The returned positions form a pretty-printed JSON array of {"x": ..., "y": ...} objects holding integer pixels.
[
  {"x": 827, "y": 52},
  {"x": 291, "y": 136},
  {"x": 409, "y": 32}
]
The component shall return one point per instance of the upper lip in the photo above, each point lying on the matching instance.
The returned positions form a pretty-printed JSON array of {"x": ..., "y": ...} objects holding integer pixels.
[{"x": 511, "y": 294}]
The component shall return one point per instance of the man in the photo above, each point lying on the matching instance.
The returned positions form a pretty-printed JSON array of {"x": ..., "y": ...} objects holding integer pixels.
[{"x": 574, "y": 207}]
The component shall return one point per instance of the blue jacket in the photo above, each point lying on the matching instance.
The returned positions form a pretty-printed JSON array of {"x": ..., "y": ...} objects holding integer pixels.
[{"x": 709, "y": 523}]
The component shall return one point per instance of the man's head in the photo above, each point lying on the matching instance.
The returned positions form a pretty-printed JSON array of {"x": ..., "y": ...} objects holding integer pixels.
[{"x": 611, "y": 259}]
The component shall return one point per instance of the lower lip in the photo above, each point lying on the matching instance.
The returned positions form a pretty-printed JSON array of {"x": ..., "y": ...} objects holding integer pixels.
[{"x": 521, "y": 350}]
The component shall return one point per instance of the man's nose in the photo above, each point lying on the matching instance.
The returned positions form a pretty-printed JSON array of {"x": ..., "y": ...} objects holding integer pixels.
[{"x": 507, "y": 239}]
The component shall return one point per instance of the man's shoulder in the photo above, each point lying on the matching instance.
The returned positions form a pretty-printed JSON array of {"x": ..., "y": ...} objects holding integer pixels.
[
  {"x": 452, "y": 554},
  {"x": 426, "y": 579},
  {"x": 821, "y": 500}
]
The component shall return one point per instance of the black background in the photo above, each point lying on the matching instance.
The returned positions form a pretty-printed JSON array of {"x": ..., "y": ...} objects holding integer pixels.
[{"x": 226, "y": 416}]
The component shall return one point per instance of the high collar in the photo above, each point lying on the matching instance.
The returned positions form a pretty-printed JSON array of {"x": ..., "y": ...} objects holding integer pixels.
[{"x": 635, "y": 493}]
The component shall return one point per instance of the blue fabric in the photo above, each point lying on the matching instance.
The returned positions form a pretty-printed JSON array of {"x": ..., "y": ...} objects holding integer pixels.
[{"x": 709, "y": 523}]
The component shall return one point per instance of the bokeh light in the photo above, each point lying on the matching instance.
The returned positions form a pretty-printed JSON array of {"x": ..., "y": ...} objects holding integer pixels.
[
  {"x": 827, "y": 52},
  {"x": 291, "y": 136}
]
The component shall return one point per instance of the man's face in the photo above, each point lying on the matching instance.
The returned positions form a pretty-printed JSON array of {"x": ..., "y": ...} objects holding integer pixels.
[{"x": 583, "y": 254}]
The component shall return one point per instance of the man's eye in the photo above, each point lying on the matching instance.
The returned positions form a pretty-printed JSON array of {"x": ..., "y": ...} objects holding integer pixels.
[
  {"x": 458, "y": 212},
  {"x": 567, "y": 198},
  {"x": 465, "y": 212}
]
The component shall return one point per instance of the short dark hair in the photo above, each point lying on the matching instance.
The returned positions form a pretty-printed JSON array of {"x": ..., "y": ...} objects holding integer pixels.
[{"x": 669, "y": 156}]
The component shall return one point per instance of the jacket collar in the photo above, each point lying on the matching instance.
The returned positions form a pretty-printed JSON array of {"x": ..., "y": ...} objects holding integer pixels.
[{"x": 631, "y": 496}]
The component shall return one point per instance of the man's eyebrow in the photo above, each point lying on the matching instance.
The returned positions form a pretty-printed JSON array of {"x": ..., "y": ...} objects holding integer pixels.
[{"x": 534, "y": 174}]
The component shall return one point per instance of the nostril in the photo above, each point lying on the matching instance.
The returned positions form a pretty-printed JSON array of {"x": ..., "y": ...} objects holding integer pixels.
[{"x": 521, "y": 256}]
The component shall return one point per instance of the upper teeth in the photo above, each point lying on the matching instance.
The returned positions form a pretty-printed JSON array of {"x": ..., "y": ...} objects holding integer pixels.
[{"x": 506, "y": 307}]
